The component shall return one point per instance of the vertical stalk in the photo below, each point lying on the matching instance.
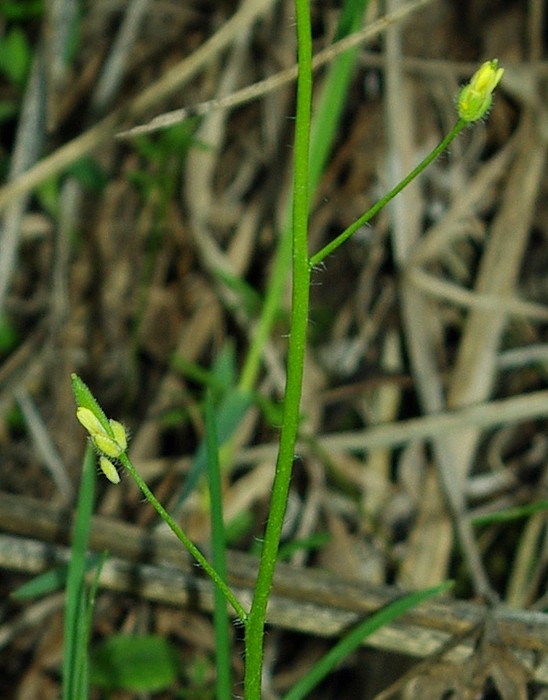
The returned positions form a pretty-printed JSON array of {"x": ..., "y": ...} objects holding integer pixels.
[{"x": 255, "y": 623}]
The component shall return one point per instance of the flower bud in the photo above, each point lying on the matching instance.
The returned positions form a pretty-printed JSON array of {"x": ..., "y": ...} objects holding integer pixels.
[
  {"x": 120, "y": 435},
  {"x": 109, "y": 470},
  {"x": 89, "y": 420},
  {"x": 107, "y": 445},
  {"x": 109, "y": 437},
  {"x": 475, "y": 98},
  {"x": 110, "y": 445}
]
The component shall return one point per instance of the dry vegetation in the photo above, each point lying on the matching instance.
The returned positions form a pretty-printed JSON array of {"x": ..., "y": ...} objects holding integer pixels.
[{"x": 424, "y": 399}]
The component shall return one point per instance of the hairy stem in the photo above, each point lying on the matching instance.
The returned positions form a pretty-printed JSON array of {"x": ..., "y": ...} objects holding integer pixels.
[{"x": 254, "y": 626}]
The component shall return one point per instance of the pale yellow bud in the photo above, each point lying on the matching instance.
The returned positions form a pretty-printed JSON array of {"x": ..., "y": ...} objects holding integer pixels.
[
  {"x": 112, "y": 447},
  {"x": 109, "y": 470},
  {"x": 107, "y": 445},
  {"x": 89, "y": 420},
  {"x": 120, "y": 435}
]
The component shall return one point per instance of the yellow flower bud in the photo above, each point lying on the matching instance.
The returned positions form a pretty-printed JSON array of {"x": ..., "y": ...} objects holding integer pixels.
[
  {"x": 107, "y": 445},
  {"x": 89, "y": 420},
  {"x": 110, "y": 445},
  {"x": 109, "y": 470},
  {"x": 109, "y": 437},
  {"x": 120, "y": 435},
  {"x": 476, "y": 97}
]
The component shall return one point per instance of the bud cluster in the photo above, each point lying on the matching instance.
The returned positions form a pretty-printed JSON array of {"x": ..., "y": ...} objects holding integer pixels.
[{"x": 108, "y": 436}]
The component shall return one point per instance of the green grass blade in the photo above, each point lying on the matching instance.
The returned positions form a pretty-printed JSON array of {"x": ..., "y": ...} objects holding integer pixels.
[
  {"x": 333, "y": 98},
  {"x": 353, "y": 640},
  {"x": 75, "y": 608},
  {"x": 229, "y": 414},
  {"x": 49, "y": 582},
  {"x": 145, "y": 663},
  {"x": 83, "y": 651},
  {"x": 218, "y": 545},
  {"x": 315, "y": 541},
  {"x": 510, "y": 514}
]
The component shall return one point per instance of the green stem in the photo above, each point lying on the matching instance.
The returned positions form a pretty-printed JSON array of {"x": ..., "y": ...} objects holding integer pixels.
[
  {"x": 327, "y": 117},
  {"x": 345, "y": 235},
  {"x": 190, "y": 546},
  {"x": 255, "y": 623}
]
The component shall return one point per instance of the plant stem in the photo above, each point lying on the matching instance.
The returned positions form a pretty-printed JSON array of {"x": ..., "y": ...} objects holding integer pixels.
[
  {"x": 191, "y": 547},
  {"x": 345, "y": 235},
  {"x": 255, "y": 623},
  {"x": 324, "y": 126}
]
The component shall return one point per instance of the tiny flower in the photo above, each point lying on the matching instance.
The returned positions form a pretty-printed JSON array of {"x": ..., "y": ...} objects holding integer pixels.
[
  {"x": 109, "y": 470},
  {"x": 475, "y": 97}
]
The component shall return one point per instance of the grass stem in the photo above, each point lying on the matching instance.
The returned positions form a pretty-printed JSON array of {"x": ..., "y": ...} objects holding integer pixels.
[{"x": 255, "y": 623}]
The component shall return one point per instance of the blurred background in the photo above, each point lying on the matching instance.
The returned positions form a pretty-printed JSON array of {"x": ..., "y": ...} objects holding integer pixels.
[{"x": 155, "y": 265}]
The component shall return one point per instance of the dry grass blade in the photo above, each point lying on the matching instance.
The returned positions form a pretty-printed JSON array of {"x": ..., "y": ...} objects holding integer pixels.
[
  {"x": 28, "y": 144},
  {"x": 502, "y": 303},
  {"x": 275, "y": 82},
  {"x": 115, "y": 67},
  {"x": 149, "y": 266},
  {"x": 490, "y": 304},
  {"x": 476, "y": 365},
  {"x": 317, "y": 602},
  {"x": 177, "y": 77}
]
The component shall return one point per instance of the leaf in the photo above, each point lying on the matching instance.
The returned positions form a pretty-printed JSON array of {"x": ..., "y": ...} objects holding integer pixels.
[
  {"x": 144, "y": 663},
  {"x": 510, "y": 514},
  {"x": 50, "y": 581},
  {"x": 345, "y": 646},
  {"x": 229, "y": 415}
]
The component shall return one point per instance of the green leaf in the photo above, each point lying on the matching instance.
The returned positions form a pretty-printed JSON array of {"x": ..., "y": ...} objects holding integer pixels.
[
  {"x": 248, "y": 295},
  {"x": 146, "y": 663},
  {"x": 48, "y": 194},
  {"x": 224, "y": 366},
  {"x": 510, "y": 514},
  {"x": 76, "y": 629},
  {"x": 239, "y": 526},
  {"x": 328, "y": 112},
  {"x": 315, "y": 541},
  {"x": 228, "y": 416},
  {"x": 196, "y": 373},
  {"x": 50, "y": 581},
  {"x": 352, "y": 641}
]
